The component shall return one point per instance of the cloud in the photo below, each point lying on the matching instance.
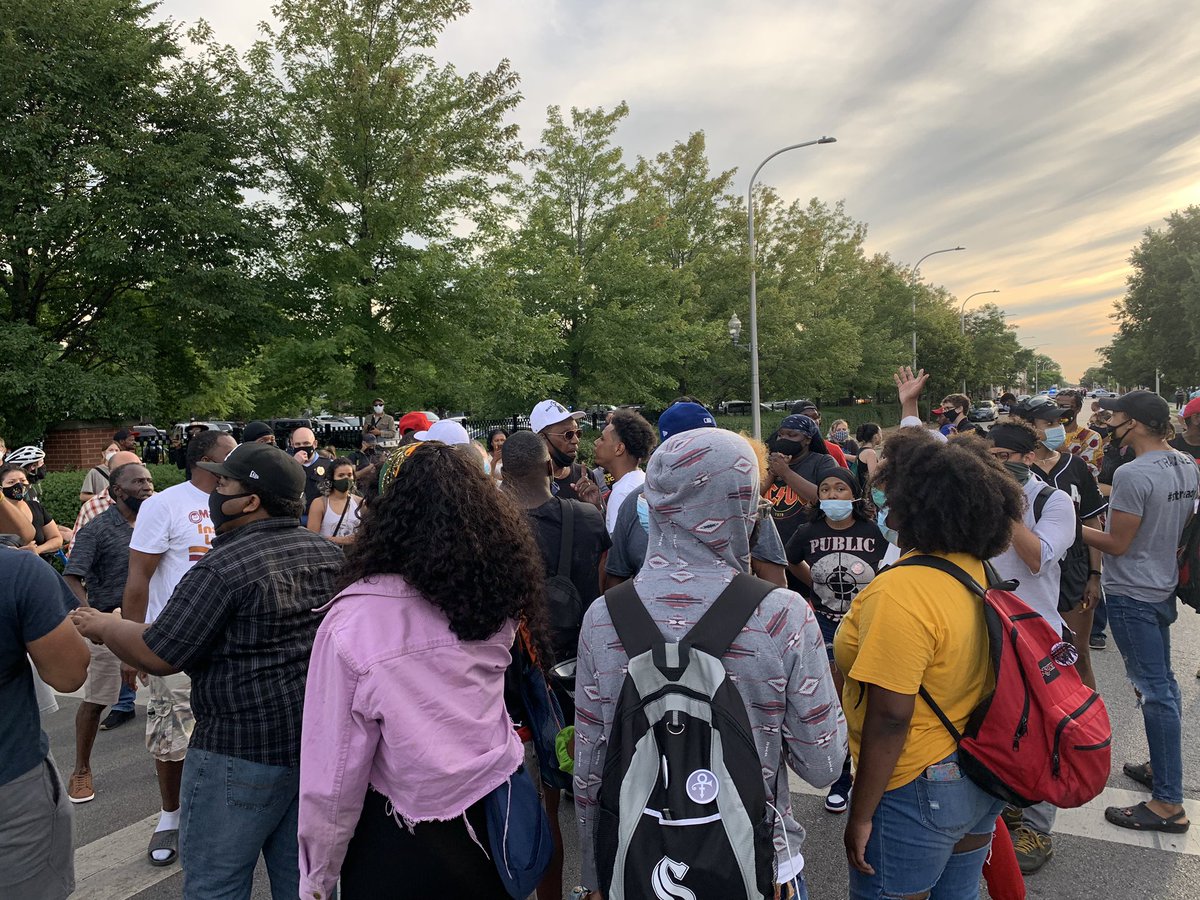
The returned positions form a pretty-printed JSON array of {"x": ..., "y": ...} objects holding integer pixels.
[{"x": 1043, "y": 138}]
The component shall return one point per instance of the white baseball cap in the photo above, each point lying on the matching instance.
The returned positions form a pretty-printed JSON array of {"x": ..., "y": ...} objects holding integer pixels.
[
  {"x": 447, "y": 431},
  {"x": 551, "y": 412}
]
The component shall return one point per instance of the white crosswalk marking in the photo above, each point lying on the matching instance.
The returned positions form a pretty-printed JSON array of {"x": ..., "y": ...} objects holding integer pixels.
[{"x": 115, "y": 866}]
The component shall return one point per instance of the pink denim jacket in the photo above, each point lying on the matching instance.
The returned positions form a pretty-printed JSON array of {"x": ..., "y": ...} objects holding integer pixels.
[{"x": 396, "y": 701}]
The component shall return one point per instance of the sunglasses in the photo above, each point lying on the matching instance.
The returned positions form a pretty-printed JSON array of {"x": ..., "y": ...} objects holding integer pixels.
[{"x": 567, "y": 435}]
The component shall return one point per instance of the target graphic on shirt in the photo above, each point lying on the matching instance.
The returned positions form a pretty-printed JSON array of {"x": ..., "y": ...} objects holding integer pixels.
[{"x": 838, "y": 577}]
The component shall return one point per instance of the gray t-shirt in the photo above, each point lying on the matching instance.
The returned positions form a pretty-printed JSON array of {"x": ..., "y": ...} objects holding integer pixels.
[
  {"x": 1161, "y": 488},
  {"x": 630, "y": 539}
]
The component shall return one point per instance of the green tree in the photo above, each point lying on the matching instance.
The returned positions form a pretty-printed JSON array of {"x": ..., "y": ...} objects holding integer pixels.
[
  {"x": 1159, "y": 317},
  {"x": 588, "y": 262},
  {"x": 992, "y": 346},
  {"x": 123, "y": 231},
  {"x": 383, "y": 163}
]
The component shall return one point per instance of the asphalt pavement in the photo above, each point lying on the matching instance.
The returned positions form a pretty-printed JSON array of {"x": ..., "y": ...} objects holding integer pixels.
[{"x": 1092, "y": 859}]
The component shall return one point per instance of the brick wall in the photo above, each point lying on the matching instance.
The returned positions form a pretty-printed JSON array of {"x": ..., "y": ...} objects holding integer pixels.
[{"x": 77, "y": 445}]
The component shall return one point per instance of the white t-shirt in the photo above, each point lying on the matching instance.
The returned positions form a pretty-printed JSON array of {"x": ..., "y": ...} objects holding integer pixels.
[
  {"x": 174, "y": 524},
  {"x": 624, "y": 486},
  {"x": 1056, "y": 531}
]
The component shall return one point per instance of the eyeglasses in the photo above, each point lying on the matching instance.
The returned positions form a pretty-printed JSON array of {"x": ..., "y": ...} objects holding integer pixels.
[
  {"x": 567, "y": 435},
  {"x": 1005, "y": 455}
]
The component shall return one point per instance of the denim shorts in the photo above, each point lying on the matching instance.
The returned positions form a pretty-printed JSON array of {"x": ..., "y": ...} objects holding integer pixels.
[{"x": 913, "y": 834}]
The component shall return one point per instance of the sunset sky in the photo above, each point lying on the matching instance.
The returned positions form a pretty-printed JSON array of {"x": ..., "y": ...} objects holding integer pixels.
[{"x": 1044, "y": 139}]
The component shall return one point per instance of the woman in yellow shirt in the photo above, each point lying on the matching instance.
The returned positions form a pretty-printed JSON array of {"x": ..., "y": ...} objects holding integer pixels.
[{"x": 916, "y": 820}]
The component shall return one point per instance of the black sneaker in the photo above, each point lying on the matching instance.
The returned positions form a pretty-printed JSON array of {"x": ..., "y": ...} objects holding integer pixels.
[
  {"x": 1098, "y": 641},
  {"x": 116, "y": 719}
]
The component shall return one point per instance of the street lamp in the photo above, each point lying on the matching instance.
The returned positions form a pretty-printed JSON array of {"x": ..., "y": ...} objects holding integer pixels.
[
  {"x": 735, "y": 329},
  {"x": 756, "y": 413},
  {"x": 962, "y": 319},
  {"x": 916, "y": 270}
]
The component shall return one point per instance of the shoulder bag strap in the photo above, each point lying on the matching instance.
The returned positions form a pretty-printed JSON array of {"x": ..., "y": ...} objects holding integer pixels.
[
  {"x": 103, "y": 474},
  {"x": 342, "y": 517},
  {"x": 724, "y": 620},
  {"x": 944, "y": 565},
  {"x": 568, "y": 539},
  {"x": 1039, "y": 502},
  {"x": 631, "y": 619}
]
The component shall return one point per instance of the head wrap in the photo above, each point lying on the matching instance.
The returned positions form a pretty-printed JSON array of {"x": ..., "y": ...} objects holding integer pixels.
[
  {"x": 1012, "y": 437},
  {"x": 845, "y": 475},
  {"x": 391, "y": 465},
  {"x": 801, "y": 423}
]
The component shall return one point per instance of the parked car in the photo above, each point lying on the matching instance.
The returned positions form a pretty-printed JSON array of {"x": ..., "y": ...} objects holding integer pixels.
[
  {"x": 740, "y": 408},
  {"x": 983, "y": 411},
  {"x": 148, "y": 432}
]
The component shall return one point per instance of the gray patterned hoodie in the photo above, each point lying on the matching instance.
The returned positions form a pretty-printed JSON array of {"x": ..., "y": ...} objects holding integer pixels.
[{"x": 702, "y": 488}]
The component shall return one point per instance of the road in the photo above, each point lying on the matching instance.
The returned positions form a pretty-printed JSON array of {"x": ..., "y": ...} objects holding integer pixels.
[{"x": 1092, "y": 858}]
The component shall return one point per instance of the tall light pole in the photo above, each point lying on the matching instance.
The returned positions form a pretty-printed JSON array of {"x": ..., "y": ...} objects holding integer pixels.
[
  {"x": 756, "y": 413},
  {"x": 916, "y": 271},
  {"x": 962, "y": 319}
]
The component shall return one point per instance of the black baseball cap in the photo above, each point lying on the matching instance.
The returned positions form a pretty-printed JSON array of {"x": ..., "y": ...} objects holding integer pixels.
[
  {"x": 255, "y": 430},
  {"x": 262, "y": 466},
  {"x": 800, "y": 407},
  {"x": 1144, "y": 406}
]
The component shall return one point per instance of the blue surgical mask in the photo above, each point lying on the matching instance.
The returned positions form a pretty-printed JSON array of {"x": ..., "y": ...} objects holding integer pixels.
[
  {"x": 837, "y": 510},
  {"x": 1056, "y": 436},
  {"x": 643, "y": 511},
  {"x": 879, "y": 498},
  {"x": 890, "y": 534}
]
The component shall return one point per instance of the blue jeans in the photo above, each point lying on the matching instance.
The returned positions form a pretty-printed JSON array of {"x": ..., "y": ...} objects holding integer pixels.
[
  {"x": 1143, "y": 635},
  {"x": 913, "y": 833},
  {"x": 1100, "y": 617},
  {"x": 234, "y": 809},
  {"x": 125, "y": 701}
]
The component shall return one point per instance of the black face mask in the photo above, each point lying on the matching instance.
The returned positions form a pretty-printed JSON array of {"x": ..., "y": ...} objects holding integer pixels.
[
  {"x": 1118, "y": 438},
  {"x": 788, "y": 447},
  {"x": 216, "y": 501},
  {"x": 342, "y": 484},
  {"x": 561, "y": 460},
  {"x": 37, "y": 474},
  {"x": 15, "y": 491},
  {"x": 311, "y": 451}
]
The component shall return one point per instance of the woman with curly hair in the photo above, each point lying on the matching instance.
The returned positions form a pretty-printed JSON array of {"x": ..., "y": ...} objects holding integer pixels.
[
  {"x": 405, "y": 727},
  {"x": 915, "y": 819}
]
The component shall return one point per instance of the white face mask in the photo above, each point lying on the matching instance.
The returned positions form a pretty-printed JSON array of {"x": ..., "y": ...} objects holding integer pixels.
[
  {"x": 378, "y": 407},
  {"x": 108, "y": 457}
]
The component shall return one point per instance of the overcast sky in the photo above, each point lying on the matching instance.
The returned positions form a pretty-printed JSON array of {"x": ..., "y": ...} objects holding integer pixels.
[{"x": 1044, "y": 139}]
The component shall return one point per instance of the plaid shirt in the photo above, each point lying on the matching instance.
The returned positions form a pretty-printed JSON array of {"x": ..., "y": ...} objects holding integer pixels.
[
  {"x": 241, "y": 624},
  {"x": 100, "y": 556}
]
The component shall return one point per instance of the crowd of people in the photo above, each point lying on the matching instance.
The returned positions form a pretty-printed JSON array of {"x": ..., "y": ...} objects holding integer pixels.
[{"x": 420, "y": 656}]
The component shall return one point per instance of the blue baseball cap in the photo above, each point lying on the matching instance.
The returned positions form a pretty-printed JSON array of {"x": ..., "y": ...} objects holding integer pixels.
[{"x": 683, "y": 417}]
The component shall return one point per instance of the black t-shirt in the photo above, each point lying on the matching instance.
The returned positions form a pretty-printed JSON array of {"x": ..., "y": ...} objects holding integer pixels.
[
  {"x": 787, "y": 507},
  {"x": 1181, "y": 444},
  {"x": 565, "y": 487},
  {"x": 843, "y": 561},
  {"x": 590, "y": 542}
]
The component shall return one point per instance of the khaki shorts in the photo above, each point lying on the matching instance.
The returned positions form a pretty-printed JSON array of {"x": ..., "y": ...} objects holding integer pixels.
[
  {"x": 103, "y": 685},
  {"x": 169, "y": 720}
]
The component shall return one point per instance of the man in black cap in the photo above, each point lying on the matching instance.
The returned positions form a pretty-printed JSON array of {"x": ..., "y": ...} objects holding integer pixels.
[
  {"x": 1152, "y": 498},
  {"x": 258, "y": 432},
  {"x": 241, "y": 624}
]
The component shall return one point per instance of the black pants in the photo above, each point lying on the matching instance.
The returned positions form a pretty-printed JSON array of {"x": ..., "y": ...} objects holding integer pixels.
[{"x": 436, "y": 859}]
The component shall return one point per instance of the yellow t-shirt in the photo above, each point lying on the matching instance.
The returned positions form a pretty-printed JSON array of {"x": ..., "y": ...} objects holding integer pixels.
[{"x": 910, "y": 627}]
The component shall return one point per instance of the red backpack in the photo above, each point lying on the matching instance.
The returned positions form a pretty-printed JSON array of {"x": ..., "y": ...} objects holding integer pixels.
[{"x": 1042, "y": 734}]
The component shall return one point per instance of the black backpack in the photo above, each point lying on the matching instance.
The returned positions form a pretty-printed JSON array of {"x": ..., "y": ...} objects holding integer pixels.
[
  {"x": 1188, "y": 558},
  {"x": 564, "y": 605},
  {"x": 1074, "y": 565},
  {"x": 683, "y": 811}
]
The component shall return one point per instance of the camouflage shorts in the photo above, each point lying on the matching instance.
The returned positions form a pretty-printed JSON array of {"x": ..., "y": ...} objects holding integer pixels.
[{"x": 169, "y": 720}]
